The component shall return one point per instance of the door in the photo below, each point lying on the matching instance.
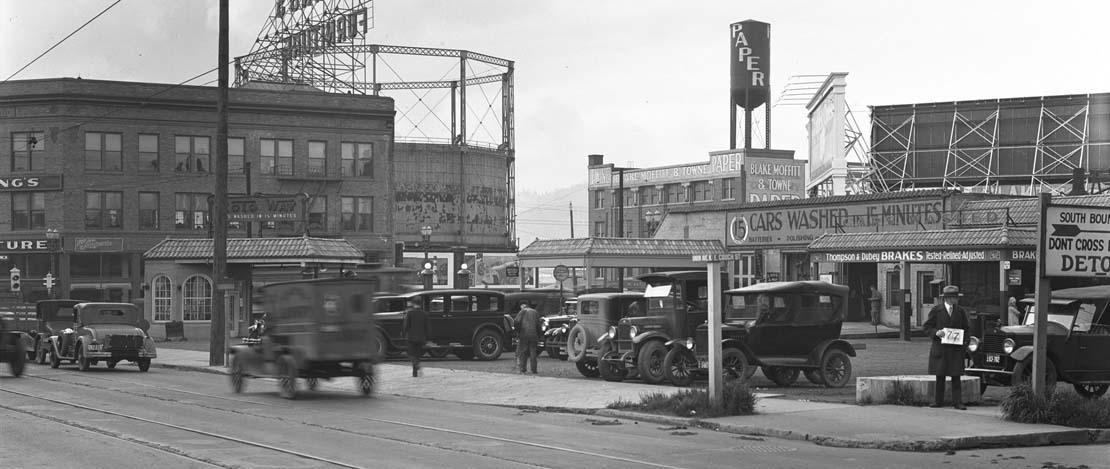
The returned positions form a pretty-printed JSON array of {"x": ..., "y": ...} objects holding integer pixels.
[
  {"x": 859, "y": 279},
  {"x": 927, "y": 286}
]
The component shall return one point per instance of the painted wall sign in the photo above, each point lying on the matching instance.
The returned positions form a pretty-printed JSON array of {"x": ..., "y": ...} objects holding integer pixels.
[
  {"x": 721, "y": 164},
  {"x": 750, "y": 63},
  {"x": 30, "y": 183},
  {"x": 920, "y": 255},
  {"x": 774, "y": 179},
  {"x": 801, "y": 225},
  {"x": 1078, "y": 241},
  {"x": 265, "y": 207},
  {"x": 16, "y": 246},
  {"x": 98, "y": 244},
  {"x": 1023, "y": 255}
]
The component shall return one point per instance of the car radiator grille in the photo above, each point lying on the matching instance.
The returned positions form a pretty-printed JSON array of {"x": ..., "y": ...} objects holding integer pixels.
[
  {"x": 993, "y": 343},
  {"x": 624, "y": 338},
  {"x": 125, "y": 342}
]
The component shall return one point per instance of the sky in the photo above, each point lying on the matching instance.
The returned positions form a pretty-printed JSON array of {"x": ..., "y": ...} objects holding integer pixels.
[{"x": 643, "y": 82}]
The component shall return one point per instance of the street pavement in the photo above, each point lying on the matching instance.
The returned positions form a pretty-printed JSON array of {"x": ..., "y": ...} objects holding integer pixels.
[{"x": 888, "y": 427}]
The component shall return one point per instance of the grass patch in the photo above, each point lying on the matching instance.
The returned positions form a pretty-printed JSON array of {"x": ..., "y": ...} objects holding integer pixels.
[
  {"x": 1058, "y": 408},
  {"x": 902, "y": 393},
  {"x": 737, "y": 399}
]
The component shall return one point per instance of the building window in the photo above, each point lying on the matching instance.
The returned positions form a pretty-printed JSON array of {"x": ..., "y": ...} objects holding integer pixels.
[
  {"x": 192, "y": 154},
  {"x": 103, "y": 151},
  {"x": 276, "y": 156},
  {"x": 191, "y": 212},
  {"x": 163, "y": 298},
  {"x": 599, "y": 199},
  {"x": 357, "y": 159},
  {"x": 236, "y": 156},
  {"x": 318, "y": 214},
  {"x": 701, "y": 191},
  {"x": 629, "y": 198},
  {"x": 358, "y": 213},
  {"x": 893, "y": 288},
  {"x": 103, "y": 210},
  {"x": 727, "y": 192},
  {"x": 27, "y": 150},
  {"x": 148, "y": 211},
  {"x": 197, "y": 299},
  {"x": 317, "y": 158},
  {"x": 599, "y": 229},
  {"x": 28, "y": 210},
  {"x": 148, "y": 153}
]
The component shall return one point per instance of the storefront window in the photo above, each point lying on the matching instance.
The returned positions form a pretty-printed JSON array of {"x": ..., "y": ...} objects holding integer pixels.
[
  {"x": 197, "y": 300},
  {"x": 163, "y": 298}
]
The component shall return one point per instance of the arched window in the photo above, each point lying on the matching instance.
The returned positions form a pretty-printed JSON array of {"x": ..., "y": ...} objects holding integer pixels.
[
  {"x": 163, "y": 298},
  {"x": 198, "y": 299}
]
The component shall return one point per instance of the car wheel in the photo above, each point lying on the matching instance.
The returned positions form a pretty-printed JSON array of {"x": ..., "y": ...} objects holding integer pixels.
[
  {"x": 237, "y": 376},
  {"x": 144, "y": 364},
  {"x": 578, "y": 340},
  {"x": 1091, "y": 391},
  {"x": 111, "y": 364},
  {"x": 54, "y": 360},
  {"x": 1023, "y": 371},
  {"x": 366, "y": 378},
  {"x": 312, "y": 383},
  {"x": 814, "y": 376},
  {"x": 82, "y": 362},
  {"x": 836, "y": 368},
  {"x": 552, "y": 351},
  {"x": 488, "y": 345},
  {"x": 287, "y": 377},
  {"x": 382, "y": 347},
  {"x": 650, "y": 362},
  {"x": 439, "y": 352},
  {"x": 18, "y": 359},
  {"x": 734, "y": 364},
  {"x": 679, "y": 365},
  {"x": 588, "y": 368},
  {"x": 611, "y": 371},
  {"x": 780, "y": 375},
  {"x": 466, "y": 354}
]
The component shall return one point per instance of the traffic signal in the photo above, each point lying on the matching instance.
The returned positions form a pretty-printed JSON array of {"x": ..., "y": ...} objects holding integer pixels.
[{"x": 15, "y": 279}]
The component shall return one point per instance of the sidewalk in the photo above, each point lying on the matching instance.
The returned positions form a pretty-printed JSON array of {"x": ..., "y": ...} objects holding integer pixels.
[{"x": 898, "y": 428}]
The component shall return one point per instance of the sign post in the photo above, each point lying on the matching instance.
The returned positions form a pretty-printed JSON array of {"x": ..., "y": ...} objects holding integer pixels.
[{"x": 712, "y": 270}]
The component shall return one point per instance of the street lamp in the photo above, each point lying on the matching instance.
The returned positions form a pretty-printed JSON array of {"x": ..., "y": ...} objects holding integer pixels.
[
  {"x": 53, "y": 238},
  {"x": 426, "y": 233}
]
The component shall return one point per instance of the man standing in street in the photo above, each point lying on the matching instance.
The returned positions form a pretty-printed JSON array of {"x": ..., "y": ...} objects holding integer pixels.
[
  {"x": 527, "y": 323},
  {"x": 947, "y": 325},
  {"x": 415, "y": 329}
]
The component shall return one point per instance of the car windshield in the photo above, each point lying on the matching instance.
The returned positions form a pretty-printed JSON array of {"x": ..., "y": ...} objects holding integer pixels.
[{"x": 1062, "y": 313}]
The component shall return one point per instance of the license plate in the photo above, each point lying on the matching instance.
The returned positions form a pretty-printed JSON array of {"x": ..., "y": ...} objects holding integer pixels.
[{"x": 994, "y": 358}]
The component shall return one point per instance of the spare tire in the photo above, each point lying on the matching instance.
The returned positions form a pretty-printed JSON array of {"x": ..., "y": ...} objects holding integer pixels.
[{"x": 577, "y": 342}]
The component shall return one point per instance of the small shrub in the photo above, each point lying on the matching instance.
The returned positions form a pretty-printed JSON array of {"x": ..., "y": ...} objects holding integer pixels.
[
  {"x": 904, "y": 394},
  {"x": 1059, "y": 408},
  {"x": 736, "y": 399}
]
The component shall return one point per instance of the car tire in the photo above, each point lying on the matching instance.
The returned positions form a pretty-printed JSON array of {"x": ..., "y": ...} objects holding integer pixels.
[
  {"x": 1023, "y": 371},
  {"x": 781, "y": 376},
  {"x": 83, "y": 363},
  {"x": 111, "y": 364},
  {"x": 578, "y": 340},
  {"x": 312, "y": 383},
  {"x": 588, "y": 368},
  {"x": 734, "y": 364},
  {"x": 814, "y": 376},
  {"x": 488, "y": 345},
  {"x": 650, "y": 362},
  {"x": 54, "y": 360},
  {"x": 18, "y": 359},
  {"x": 836, "y": 368},
  {"x": 679, "y": 365},
  {"x": 383, "y": 344},
  {"x": 615, "y": 371},
  {"x": 144, "y": 364},
  {"x": 366, "y": 378},
  {"x": 287, "y": 377},
  {"x": 1090, "y": 391},
  {"x": 238, "y": 378}
]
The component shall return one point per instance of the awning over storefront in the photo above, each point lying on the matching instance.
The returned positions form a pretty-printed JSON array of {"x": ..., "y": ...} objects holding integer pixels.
[
  {"x": 934, "y": 246},
  {"x": 259, "y": 251},
  {"x": 618, "y": 252}
]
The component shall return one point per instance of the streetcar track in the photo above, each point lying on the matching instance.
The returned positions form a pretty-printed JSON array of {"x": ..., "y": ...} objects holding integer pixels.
[{"x": 343, "y": 430}]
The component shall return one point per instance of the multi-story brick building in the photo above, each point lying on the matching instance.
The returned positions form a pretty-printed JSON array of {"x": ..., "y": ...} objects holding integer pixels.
[{"x": 115, "y": 167}]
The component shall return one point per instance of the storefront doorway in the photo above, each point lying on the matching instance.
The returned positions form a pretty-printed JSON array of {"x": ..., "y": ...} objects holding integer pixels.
[{"x": 859, "y": 277}]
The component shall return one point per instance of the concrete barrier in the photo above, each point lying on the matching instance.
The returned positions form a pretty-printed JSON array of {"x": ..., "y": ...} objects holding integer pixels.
[{"x": 876, "y": 389}]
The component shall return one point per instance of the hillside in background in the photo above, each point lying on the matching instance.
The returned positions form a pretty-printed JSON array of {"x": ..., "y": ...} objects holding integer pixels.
[{"x": 546, "y": 215}]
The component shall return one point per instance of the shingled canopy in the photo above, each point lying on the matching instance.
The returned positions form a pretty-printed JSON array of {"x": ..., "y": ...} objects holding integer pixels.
[
  {"x": 618, "y": 252},
  {"x": 259, "y": 251},
  {"x": 979, "y": 238}
]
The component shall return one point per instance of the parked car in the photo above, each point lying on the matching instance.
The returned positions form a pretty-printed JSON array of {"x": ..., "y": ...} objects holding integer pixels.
[
  {"x": 315, "y": 329},
  {"x": 597, "y": 313},
  {"x": 1077, "y": 349},
  {"x": 784, "y": 328},
  {"x": 108, "y": 332},
  {"x": 51, "y": 317},
  {"x": 676, "y": 303},
  {"x": 470, "y": 323},
  {"x": 11, "y": 344}
]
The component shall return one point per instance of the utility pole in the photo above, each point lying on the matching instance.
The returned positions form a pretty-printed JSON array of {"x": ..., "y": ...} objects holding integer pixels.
[
  {"x": 571, "y": 219},
  {"x": 217, "y": 346}
]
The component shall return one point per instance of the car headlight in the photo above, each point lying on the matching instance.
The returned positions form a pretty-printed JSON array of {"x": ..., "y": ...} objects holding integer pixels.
[
  {"x": 690, "y": 343},
  {"x": 544, "y": 324},
  {"x": 973, "y": 344},
  {"x": 612, "y": 331},
  {"x": 632, "y": 331},
  {"x": 1008, "y": 346}
]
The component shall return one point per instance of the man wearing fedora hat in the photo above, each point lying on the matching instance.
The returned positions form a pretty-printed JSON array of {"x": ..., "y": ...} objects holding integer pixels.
[{"x": 947, "y": 359}]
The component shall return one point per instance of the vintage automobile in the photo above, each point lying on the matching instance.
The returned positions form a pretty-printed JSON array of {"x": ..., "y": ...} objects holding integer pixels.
[
  {"x": 550, "y": 304},
  {"x": 470, "y": 323},
  {"x": 315, "y": 329},
  {"x": 785, "y": 328},
  {"x": 11, "y": 344},
  {"x": 676, "y": 303},
  {"x": 108, "y": 332},
  {"x": 51, "y": 317},
  {"x": 1077, "y": 349},
  {"x": 597, "y": 312}
]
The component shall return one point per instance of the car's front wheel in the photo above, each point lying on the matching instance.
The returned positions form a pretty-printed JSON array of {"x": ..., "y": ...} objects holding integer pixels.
[
  {"x": 54, "y": 360},
  {"x": 237, "y": 375},
  {"x": 780, "y": 375},
  {"x": 366, "y": 378},
  {"x": 488, "y": 345},
  {"x": 1023, "y": 373},
  {"x": 287, "y": 377},
  {"x": 144, "y": 364},
  {"x": 83, "y": 363},
  {"x": 679, "y": 365},
  {"x": 611, "y": 370},
  {"x": 735, "y": 365},
  {"x": 18, "y": 359},
  {"x": 1091, "y": 391},
  {"x": 650, "y": 362},
  {"x": 836, "y": 368},
  {"x": 588, "y": 368}
]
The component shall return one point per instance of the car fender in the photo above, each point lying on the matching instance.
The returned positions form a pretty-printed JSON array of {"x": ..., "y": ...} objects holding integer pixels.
[
  {"x": 650, "y": 335},
  {"x": 675, "y": 342},
  {"x": 1021, "y": 353},
  {"x": 821, "y": 348},
  {"x": 603, "y": 340}
]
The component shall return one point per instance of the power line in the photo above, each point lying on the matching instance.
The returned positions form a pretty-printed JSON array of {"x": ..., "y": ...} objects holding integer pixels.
[{"x": 63, "y": 40}]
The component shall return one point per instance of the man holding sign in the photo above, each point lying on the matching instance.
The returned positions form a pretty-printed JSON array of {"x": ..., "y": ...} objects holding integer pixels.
[{"x": 947, "y": 325}]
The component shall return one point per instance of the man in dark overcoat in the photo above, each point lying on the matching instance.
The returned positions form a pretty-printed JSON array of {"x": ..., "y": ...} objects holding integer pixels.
[
  {"x": 415, "y": 328},
  {"x": 528, "y": 331},
  {"x": 947, "y": 359}
]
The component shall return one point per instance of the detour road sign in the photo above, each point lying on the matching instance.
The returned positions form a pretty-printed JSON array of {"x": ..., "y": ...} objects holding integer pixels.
[{"x": 1078, "y": 241}]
